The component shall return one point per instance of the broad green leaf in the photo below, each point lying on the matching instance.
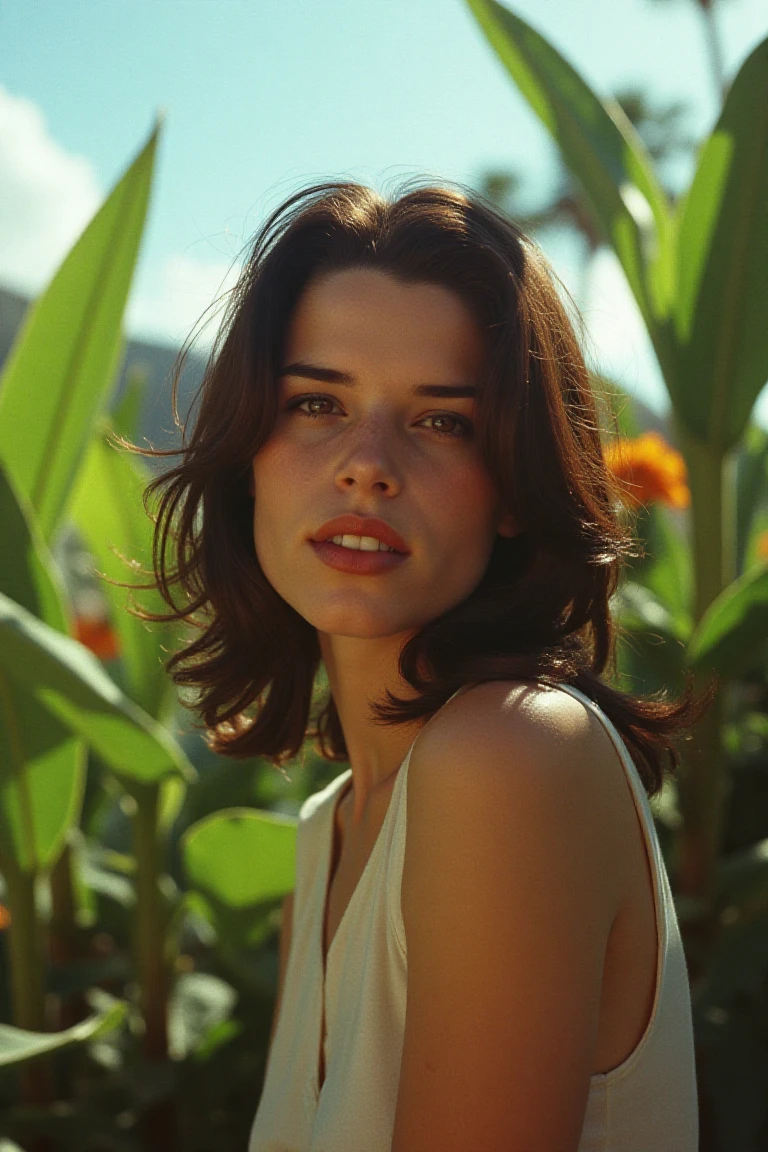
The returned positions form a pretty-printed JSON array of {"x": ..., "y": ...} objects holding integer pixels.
[
  {"x": 751, "y": 488},
  {"x": 639, "y": 609},
  {"x": 42, "y": 764},
  {"x": 756, "y": 541},
  {"x": 199, "y": 1003},
  {"x": 651, "y": 649},
  {"x": 108, "y": 511},
  {"x": 722, "y": 305},
  {"x": 603, "y": 150},
  {"x": 617, "y": 409},
  {"x": 733, "y": 633},
  {"x": 669, "y": 575},
  {"x": 68, "y": 679},
  {"x": 16, "y": 1045},
  {"x": 241, "y": 857},
  {"x": 127, "y": 412},
  {"x": 63, "y": 362}
]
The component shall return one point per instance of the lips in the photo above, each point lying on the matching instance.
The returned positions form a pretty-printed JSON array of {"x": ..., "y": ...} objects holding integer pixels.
[{"x": 362, "y": 526}]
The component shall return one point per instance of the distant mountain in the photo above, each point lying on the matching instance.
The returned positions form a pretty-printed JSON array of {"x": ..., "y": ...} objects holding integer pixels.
[{"x": 157, "y": 360}]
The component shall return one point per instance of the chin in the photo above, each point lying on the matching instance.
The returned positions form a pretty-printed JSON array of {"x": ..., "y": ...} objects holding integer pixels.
[{"x": 363, "y": 622}]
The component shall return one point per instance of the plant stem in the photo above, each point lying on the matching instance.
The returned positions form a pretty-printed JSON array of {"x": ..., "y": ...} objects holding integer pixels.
[
  {"x": 65, "y": 945},
  {"x": 160, "y": 1120},
  {"x": 702, "y": 783},
  {"x": 714, "y": 47},
  {"x": 28, "y": 979},
  {"x": 150, "y": 924}
]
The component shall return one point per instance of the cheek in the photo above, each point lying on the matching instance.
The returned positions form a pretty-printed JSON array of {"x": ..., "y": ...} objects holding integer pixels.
[
  {"x": 468, "y": 498},
  {"x": 271, "y": 492}
]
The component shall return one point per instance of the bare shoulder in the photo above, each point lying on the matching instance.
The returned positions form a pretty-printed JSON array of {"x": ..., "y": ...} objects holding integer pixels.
[
  {"x": 509, "y": 889},
  {"x": 540, "y": 758},
  {"x": 522, "y": 724}
]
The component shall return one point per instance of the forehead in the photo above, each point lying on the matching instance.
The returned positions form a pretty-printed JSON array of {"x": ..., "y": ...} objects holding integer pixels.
[{"x": 363, "y": 318}]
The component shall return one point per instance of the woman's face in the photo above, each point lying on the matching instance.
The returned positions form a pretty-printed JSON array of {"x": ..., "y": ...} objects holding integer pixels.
[{"x": 365, "y": 437}]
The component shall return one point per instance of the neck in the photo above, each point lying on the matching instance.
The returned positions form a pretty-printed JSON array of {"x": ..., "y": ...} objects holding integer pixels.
[{"x": 359, "y": 672}]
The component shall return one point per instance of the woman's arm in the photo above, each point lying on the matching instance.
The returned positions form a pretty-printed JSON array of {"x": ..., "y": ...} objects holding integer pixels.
[{"x": 509, "y": 891}]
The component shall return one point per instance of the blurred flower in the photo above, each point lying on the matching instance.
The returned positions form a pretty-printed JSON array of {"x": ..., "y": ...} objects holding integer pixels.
[
  {"x": 649, "y": 469},
  {"x": 98, "y": 635},
  {"x": 761, "y": 547},
  {"x": 5, "y": 917}
]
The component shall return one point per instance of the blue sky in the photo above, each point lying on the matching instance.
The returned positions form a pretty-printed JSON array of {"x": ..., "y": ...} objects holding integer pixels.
[{"x": 262, "y": 97}]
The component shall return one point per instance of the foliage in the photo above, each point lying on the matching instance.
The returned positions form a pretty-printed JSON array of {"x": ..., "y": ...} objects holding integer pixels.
[
  {"x": 143, "y": 876},
  {"x": 697, "y": 269}
]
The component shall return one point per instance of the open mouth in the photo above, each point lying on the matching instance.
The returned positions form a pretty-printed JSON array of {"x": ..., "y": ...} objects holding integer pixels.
[
  {"x": 361, "y": 543},
  {"x": 358, "y": 559}
]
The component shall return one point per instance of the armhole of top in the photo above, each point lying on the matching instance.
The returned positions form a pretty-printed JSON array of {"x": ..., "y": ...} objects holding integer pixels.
[
  {"x": 394, "y": 873},
  {"x": 650, "y": 839},
  {"x": 660, "y": 881}
]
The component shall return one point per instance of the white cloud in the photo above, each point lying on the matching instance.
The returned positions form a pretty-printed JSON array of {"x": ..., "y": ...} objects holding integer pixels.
[{"x": 47, "y": 196}]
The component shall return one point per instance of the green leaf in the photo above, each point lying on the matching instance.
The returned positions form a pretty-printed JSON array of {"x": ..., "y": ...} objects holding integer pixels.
[
  {"x": 652, "y": 651},
  {"x": 127, "y": 413},
  {"x": 720, "y": 315},
  {"x": 16, "y": 1045},
  {"x": 617, "y": 409},
  {"x": 108, "y": 511},
  {"x": 639, "y": 609},
  {"x": 241, "y": 857},
  {"x": 199, "y": 1003},
  {"x": 733, "y": 633},
  {"x": 668, "y": 575},
  {"x": 603, "y": 150},
  {"x": 69, "y": 680},
  {"x": 64, "y": 359},
  {"x": 751, "y": 488},
  {"x": 42, "y": 765}
]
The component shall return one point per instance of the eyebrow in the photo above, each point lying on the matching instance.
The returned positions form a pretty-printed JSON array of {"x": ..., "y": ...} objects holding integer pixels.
[{"x": 334, "y": 376}]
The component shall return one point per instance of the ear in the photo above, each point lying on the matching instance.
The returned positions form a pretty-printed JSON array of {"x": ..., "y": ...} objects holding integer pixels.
[{"x": 508, "y": 526}]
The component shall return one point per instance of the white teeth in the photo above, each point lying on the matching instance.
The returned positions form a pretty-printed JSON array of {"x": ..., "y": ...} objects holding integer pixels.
[{"x": 362, "y": 543}]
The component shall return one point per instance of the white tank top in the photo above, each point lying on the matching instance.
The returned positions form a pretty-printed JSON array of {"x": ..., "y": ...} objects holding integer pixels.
[{"x": 648, "y": 1102}]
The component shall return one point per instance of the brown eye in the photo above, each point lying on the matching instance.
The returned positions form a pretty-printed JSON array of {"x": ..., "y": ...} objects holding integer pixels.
[
  {"x": 298, "y": 404},
  {"x": 457, "y": 426}
]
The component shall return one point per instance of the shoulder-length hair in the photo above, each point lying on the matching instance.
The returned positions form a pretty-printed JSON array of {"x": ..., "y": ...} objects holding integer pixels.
[{"x": 541, "y": 611}]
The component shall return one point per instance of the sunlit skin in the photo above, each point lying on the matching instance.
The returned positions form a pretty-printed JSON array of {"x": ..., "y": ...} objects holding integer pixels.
[{"x": 376, "y": 448}]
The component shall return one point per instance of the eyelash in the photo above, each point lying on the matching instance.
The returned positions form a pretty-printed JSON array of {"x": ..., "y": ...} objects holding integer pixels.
[{"x": 466, "y": 425}]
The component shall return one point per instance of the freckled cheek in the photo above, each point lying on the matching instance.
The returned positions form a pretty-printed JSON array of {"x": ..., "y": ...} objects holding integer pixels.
[
  {"x": 286, "y": 496},
  {"x": 467, "y": 501}
]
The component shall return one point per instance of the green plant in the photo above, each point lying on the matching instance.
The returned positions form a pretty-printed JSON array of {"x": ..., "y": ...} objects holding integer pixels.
[{"x": 698, "y": 272}]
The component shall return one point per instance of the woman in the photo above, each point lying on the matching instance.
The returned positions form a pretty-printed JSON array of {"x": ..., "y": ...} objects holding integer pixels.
[{"x": 396, "y": 474}]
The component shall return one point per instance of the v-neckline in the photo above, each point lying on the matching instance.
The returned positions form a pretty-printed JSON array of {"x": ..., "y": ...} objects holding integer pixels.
[
  {"x": 334, "y": 807},
  {"x": 324, "y": 956}
]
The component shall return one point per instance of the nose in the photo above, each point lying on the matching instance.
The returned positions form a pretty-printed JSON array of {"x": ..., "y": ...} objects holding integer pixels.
[{"x": 368, "y": 463}]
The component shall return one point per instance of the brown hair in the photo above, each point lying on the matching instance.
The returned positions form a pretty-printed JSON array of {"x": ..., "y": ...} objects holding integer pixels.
[{"x": 541, "y": 611}]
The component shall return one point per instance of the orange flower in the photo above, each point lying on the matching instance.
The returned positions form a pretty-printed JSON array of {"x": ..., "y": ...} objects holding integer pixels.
[
  {"x": 651, "y": 469},
  {"x": 5, "y": 917},
  {"x": 761, "y": 547},
  {"x": 98, "y": 635}
]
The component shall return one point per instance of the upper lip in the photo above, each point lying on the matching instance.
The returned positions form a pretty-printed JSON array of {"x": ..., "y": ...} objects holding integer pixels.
[{"x": 361, "y": 526}]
